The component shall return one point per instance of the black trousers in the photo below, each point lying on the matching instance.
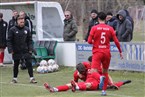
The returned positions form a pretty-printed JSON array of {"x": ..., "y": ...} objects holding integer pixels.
[{"x": 28, "y": 65}]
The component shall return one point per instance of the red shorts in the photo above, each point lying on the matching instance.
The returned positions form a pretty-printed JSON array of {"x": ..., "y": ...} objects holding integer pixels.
[
  {"x": 99, "y": 59},
  {"x": 94, "y": 83}
]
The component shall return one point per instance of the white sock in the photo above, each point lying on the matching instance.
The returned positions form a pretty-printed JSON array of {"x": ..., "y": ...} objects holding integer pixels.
[
  {"x": 55, "y": 89},
  {"x": 15, "y": 78},
  {"x": 77, "y": 87},
  {"x": 31, "y": 78},
  {"x": 103, "y": 90}
]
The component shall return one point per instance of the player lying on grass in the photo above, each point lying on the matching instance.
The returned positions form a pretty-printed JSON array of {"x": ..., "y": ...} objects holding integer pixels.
[
  {"x": 92, "y": 81},
  {"x": 87, "y": 65},
  {"x": 88, "y": 83}
]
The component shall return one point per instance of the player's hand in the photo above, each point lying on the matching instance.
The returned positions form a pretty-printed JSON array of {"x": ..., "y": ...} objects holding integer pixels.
[
  {"x": 80, "y": 75},
  {"x": 121, "y": 56}
]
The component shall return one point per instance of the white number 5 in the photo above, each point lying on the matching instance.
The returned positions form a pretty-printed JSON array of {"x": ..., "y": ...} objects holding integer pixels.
[{"x": 103, "y": 38}]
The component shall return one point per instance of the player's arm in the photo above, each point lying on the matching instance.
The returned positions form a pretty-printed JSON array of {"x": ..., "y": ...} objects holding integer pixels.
[
  {"x": 10, "y": 41},
  {"x": 128, "y": 30},
  {"x": 90, "y": 38},
  {"x": 75, "y": 75},
  {"x": 29, "y": 41},
  {"x": 110, "y": 80}
]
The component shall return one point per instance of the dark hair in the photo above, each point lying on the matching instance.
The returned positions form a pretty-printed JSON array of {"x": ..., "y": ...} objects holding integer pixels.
[
  {"x": 90, "y": 59},
  {"x": 19, "y": 16},
  {"x": 94, "y": 11},
  {"x": 109, "y": 13},
  {"x": 102, "y": 16},
  {"x": 1, "y": 15},
  {"x": 81, "y": 68}
]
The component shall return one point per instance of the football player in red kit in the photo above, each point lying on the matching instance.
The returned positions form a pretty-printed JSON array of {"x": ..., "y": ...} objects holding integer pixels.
[
  {"x": 100, "y": 37},
  {"x": 88, "y": 84},
  {"x": 87, "y": 66},
  {"x": 91, "y": 81}
]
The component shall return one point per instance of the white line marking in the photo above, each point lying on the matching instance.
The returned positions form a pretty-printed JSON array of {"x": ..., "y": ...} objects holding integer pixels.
[{"x": 18, "y": 84}]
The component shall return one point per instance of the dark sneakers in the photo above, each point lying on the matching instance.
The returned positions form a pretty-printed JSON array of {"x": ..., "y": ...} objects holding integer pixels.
[
  {"x": 14, "y": 81},
  {"x": 33, "y": 81},
  {"x": 126, "y": 82},
  {"x": 116, "y": 87},
  {"x": 113, "y": 87},
  {"x": 73, "y": 86},
  {"x": 2, "y": 65}
]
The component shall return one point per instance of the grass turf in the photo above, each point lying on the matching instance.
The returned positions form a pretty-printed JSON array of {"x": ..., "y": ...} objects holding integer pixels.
[{"x": 24, "y": 89}]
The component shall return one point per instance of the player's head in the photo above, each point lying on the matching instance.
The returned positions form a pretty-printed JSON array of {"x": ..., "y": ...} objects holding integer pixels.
[
  {"x": 94, "y": 14},
  {"x": 68, "y": 15},
  {"x": 81, "y": 68},
  {"x": 109, "y": 15},
  {"x": 20, "y": 21},
  {"x": 101, "y": 16},
  {"x": 15, "y": 14},
  {"x": 22, "y": 13}
]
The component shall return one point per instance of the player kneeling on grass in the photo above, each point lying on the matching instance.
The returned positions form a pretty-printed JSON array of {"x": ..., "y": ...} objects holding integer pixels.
[
  {"x": 83, "y": 76},
  {"x": 93, "y": 81}
]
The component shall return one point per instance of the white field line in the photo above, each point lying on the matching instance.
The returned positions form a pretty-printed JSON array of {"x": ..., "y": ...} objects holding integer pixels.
[{"x": 18, "y": 84}]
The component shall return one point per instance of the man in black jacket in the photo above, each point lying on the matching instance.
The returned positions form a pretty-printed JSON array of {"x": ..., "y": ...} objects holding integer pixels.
[
  {"x": 111, "y": 20},
  {"x": 20, "y": 46},
  {"x": 131, "y": 20},
  {"x": 3, "y": 29},
  {"x": 93, "y": 22},
  {"x": 12, "y": 22},
  {"x": 124, "y": 27}
]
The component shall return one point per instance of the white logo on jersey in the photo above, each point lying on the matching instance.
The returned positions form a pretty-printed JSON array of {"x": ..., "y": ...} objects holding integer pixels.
[
  {"x": 4, "y": 25},
  {"x": 25, "y": 32}
]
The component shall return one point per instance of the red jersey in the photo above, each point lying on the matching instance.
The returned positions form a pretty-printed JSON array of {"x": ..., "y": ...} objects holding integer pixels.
[
  {"x": 100, "y": 36},
  {"x": 83, "y": 77},
  {"x": 93, "y": 75},
  {"x": 87, "y": 65}
]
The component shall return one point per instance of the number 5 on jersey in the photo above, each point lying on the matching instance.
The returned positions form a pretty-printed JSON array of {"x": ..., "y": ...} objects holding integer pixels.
[{"x": 103, "y": 38}]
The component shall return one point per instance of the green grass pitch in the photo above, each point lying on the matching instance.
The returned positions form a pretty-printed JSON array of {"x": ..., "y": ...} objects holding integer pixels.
[{"x": 24, "y": 89}]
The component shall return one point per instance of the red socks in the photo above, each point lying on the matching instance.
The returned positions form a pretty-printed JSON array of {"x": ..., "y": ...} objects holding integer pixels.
[
  {"x": 105, "y": 81},
  {"x": 63, "y": 88},
  {"x": 118, "y": 84},
  {"x": 1, "y": 57}
]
